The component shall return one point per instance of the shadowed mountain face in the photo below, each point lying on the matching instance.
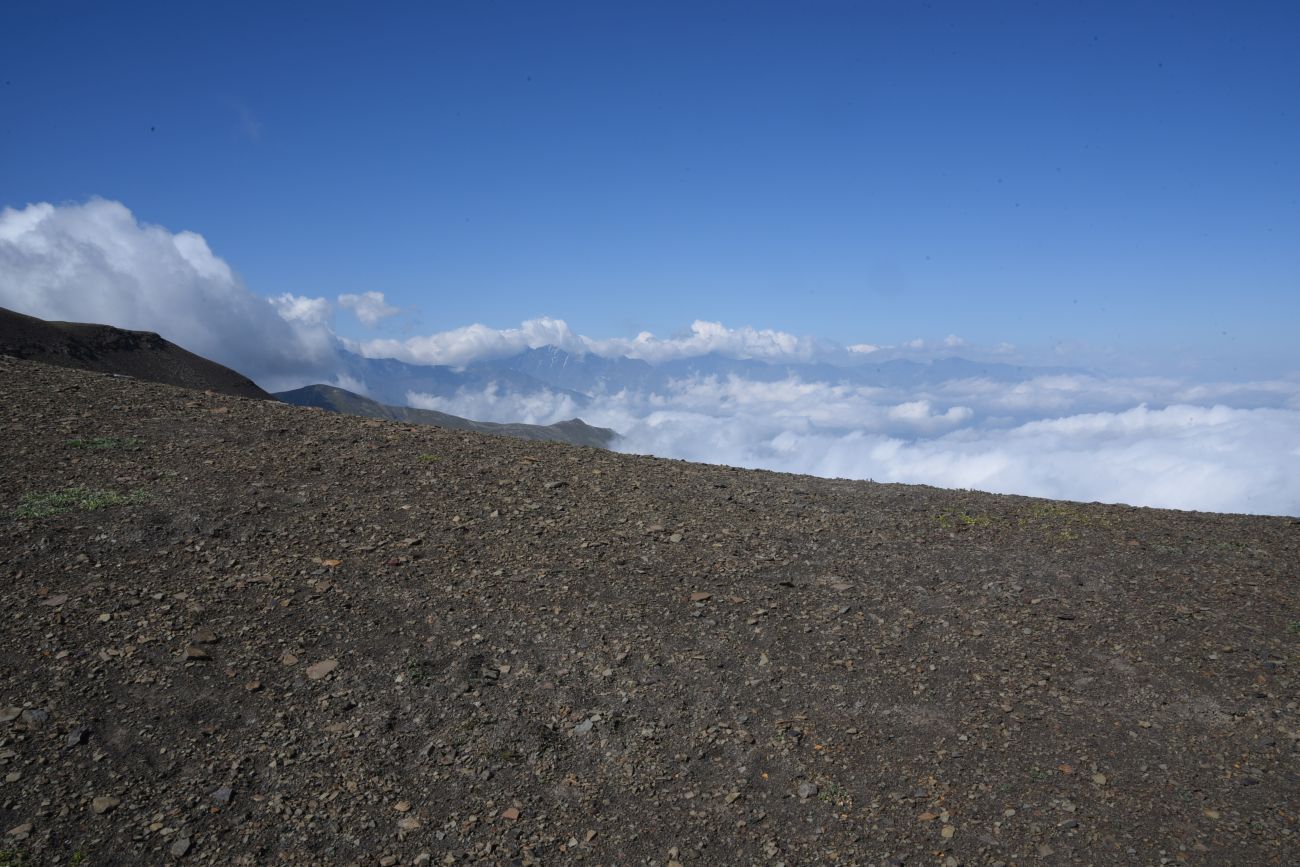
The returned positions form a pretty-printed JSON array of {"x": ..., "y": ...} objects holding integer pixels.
[
  {"x": 105, "y": 349},
  {"x": 574, "y": 431}
]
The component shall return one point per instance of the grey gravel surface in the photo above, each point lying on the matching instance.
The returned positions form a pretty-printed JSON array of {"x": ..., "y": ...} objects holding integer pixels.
[{"x": 239, "y": 632}]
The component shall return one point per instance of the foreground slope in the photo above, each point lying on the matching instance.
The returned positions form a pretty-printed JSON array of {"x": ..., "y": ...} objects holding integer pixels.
[
  {"x": 240, "y": 632},
  {"x": 106, "y": 349},
  {"x": 328, "y": 397}
]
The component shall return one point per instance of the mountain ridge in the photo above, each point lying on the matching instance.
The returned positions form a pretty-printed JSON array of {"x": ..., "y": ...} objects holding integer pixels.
[{"x": 334, "y": 399}]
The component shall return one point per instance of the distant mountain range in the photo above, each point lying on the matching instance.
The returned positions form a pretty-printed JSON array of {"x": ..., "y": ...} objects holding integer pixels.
[
  {"x": 582, "y": 376},
  {"x": 328, "y": 397}
]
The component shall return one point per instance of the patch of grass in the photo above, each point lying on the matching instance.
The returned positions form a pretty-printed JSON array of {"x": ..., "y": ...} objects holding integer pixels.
[
  {"x": 952, "y": 520},
  {"x": 418, "y": 671},
  {"x": 78, "y": 858},
  {"x": 102, "y": 443},
  {"x": 11, "y": 858},
  {"x": 85, "y": 499},
  {"x": 427, "y": 458}
]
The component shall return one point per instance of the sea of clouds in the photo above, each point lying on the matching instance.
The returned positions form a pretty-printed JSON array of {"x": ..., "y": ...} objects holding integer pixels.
[{"x": 1215, "y": 446}]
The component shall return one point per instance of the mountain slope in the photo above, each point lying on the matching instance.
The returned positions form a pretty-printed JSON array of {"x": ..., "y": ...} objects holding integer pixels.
[
  {"x": 328, "y": 397},
  {"x": 105, "y": 349},
  {"x": 258, "y": 634}
]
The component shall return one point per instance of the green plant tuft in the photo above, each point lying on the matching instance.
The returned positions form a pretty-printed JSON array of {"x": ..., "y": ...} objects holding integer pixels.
[{"x": 44, "y": 505}]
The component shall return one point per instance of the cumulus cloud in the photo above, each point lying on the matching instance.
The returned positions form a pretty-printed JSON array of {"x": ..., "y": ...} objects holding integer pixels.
[
  {"x": 477, "y": 342},
  {"x": 370, "y": 308},
  {"x": 95, "y": 262}
]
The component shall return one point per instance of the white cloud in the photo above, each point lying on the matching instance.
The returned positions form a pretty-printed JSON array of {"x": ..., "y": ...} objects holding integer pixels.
[
  {"x": 493, "y": 404},
  {"x": 459, "y": 346},
  {"x": 94, "y": 262},
  {"x": 369, "y": 307},
  {"x": 1185, "y": 457},
  {"x": 299, "y": 308}
]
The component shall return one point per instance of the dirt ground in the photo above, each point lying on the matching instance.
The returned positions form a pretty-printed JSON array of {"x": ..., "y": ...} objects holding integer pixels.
[{"x": 238, "y": 632}]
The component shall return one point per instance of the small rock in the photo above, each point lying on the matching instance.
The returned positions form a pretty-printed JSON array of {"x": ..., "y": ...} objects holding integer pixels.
[
  {"x": 402, "y": 806},
  {"x": 1099, "y": 779},
  {"x": 54, "y": 601},
  {"x": 193, "y": 651},
  {"x": 288, "y": 659},
  {"x": 222, "y": 795},
  {"x": 511, "y": 813},
  {"x": 318, "y": 670},
  {"x": 409, "y": 823},
  {"x": 35, "y": 719},
  {"x": 675, "y": 538},
  {"x": 550, "y": 486},
  {"x": 20, "y": 832},
  {"x": 583, "y": 727},
  {"x": 77, "y": 736},
  {"x": 388, "y": 861},
  {"x": 181, "y": 847},
  {"x": 104, "y": 804},
  {"x": 9, "y": 714},
  {"x": 701, "y": 596},
  {"x": 947, "y": 832},
  {"x": 105, "y": 617},
  {"x": 253, "y": 685},
  {"x": 205, "y": 636},
  {"x": 808, "y": 790}
]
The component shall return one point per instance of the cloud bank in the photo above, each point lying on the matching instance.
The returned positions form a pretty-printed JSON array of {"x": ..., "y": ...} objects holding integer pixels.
[
  {"x": 1220, "y": 446},
  {"x": 1033, "y": 438}
]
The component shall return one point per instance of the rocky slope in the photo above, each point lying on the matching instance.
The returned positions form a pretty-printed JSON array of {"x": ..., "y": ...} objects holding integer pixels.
[
  {"x": 238, "y": 632},
  {"x": 328, "y": 397},
  {"x": 103, "y": 348}
]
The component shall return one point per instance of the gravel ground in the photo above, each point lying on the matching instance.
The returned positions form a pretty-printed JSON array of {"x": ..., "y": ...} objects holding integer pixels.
[{"x": 238, "y": 632}]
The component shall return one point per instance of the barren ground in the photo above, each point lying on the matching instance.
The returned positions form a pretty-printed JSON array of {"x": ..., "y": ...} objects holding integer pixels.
[{"x": 237, "y": 632}]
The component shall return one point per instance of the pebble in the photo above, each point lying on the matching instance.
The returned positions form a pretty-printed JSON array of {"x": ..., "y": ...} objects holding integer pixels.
[
  {"x": 1099, "y": 779},
  {"x": 193, "y": 651},
  {"x": 808, "y": 790},
  {"x": 35, "y": 719},
  {"x": 104, "y": 804},
  {"x": 77, "y": 736},
  {"x": 288, "y": 659},
  {"x": 222, "y": 795},
  {"x": 318, "y": 670},
  {"x": 20, "y": 832},
  {"x": 511, "y": 813},
  {"x": 181, "y": 847},
  {"x": 9, "y": 714}
]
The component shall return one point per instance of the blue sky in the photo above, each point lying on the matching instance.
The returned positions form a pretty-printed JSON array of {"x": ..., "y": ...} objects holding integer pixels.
[{"x": 1123, "y": 177}]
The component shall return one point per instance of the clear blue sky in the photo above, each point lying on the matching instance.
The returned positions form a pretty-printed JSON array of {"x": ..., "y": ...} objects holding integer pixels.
[{"x": 1123, "y": 174}]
